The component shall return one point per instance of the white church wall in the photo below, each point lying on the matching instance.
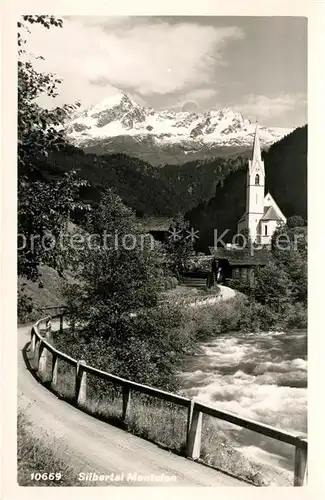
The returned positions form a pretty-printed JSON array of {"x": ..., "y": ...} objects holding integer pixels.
[
  {"x": 255, "y": 192},
  {"x": 271, "y": 226},
  {"x": 253, "y": 223}
]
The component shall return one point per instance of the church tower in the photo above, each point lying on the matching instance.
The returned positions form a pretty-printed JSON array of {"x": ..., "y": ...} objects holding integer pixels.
[
  {"x": 255, "y": 186},
  {"x": 262, "y": 215}
]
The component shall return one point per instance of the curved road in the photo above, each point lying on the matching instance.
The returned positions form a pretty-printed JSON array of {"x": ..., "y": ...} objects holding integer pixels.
[
  {"x": 89, "y": 445},
  {"x": 225, "y": 293}
]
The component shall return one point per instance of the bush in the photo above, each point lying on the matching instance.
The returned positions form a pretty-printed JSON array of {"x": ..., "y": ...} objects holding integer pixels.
[
  {"x": 170, "y": 283},
  {"x": 296, "y": 316},
  {"x": 296, "y": 221},
  {"x": 241, "y": 314},
  {"x": 147, "y": 347},
  {"x": 206, "y": 321},
  {"x": 25, "y": 308}
]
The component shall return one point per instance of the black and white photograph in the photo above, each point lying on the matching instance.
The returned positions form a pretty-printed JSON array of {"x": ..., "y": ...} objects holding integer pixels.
[{"x": 162, "y": 251}]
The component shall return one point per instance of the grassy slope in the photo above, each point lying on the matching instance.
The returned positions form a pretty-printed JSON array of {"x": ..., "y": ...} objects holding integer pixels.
[
  {"x": 38, "y": 455},
  {"x": 48, "y": 294}
]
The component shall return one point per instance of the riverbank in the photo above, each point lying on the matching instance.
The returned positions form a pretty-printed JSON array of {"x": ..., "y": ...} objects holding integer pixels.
[
  {"x": 239, "y": 314},
  {"x": 261, "y": 376}
]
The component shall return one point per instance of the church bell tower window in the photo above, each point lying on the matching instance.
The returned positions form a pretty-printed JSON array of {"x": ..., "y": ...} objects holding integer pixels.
[{"x": 257, "y": 180}]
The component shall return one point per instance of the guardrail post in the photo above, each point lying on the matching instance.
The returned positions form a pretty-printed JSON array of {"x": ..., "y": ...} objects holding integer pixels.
[
  {"x": 189, "y": 419},
  {"x": 81, "y": 384},
  {"x": 193, "y": 445},
  {"x": 42, "y": 359},
  {"x": 33, "y": 341},
  {"x": 61, "y": 323},
  {"x": 300, "y": 464},
  {"x": 48, "y": 327},
  {"x": 36, "y": 353},
  {"x": 55, "y": 363},
  {"x": 126, "y": 394}
]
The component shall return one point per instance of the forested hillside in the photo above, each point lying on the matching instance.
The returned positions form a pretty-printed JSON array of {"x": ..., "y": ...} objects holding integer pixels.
[
  {"x": 148, "y": 190},
  {"x": 286, "y": 172},
  {"x": 286, "y": 179},
  {"x": 211, "y": 193}
]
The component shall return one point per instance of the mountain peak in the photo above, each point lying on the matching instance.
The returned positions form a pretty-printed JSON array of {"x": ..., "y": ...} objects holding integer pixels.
[
  {"x": 111, "y": 102},
  {"x": 118, "y": 117}
]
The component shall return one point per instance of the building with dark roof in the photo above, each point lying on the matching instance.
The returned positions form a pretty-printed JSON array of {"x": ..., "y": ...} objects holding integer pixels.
[
  {"x": 238, "y": 264},
  {"x": 158, "y": 227}
]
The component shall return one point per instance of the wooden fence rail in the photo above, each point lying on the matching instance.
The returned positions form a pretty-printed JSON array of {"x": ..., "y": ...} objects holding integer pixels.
[{"x": 195, "y": 409}]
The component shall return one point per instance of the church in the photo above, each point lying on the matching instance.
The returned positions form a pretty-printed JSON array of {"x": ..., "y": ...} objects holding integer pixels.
[{"x": 262, "y": 214}]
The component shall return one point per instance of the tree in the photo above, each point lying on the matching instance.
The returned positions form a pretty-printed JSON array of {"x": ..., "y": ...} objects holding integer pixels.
[
  {"x": 118, "y": 268},
  {"x": 273, "y": 286},
  {"x": 289, "y": 248},
  {"x": 180, "y": 244},
  {"x": 123, "y": 326},
  {"x": 295, "y": 221},
  {"x": 43, "y": 207},
  {"x": 147, "y": 348},
  {"x": 39, "y": 130}
]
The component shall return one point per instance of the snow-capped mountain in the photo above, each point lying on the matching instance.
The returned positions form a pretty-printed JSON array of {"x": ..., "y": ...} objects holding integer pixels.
[{"x": 119, "y": 124}]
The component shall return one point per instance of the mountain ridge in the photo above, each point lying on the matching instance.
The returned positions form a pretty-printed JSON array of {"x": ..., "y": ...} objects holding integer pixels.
[
  {"x": 119, "y": 125},
  {"x": 210, "y": 193}
]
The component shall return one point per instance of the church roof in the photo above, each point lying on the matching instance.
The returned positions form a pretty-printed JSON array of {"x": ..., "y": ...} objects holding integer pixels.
[{"x": 270, "y": 214}]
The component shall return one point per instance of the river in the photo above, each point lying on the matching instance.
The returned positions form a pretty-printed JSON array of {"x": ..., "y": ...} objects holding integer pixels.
[{"x": 258, "y": 376}]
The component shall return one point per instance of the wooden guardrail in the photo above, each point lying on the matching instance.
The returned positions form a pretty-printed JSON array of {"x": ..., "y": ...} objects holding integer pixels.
[
  {"x": 53, "y": 308},
  {"x": 195, "y": 409},
  {"x": 55, "y": 312}
]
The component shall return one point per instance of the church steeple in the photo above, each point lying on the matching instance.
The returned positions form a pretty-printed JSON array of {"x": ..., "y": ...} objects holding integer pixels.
[
  {"x": 256, "y": 154},
  {"x": 255, "y": 186},
  {"x": 256, "y": 162}
]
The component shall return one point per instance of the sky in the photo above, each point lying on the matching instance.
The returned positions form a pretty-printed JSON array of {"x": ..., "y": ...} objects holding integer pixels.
[{"x": 255, "y": 65}]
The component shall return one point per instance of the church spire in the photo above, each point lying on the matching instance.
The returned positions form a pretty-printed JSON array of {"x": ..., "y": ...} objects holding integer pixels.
[{"x": 256, "y": 154}]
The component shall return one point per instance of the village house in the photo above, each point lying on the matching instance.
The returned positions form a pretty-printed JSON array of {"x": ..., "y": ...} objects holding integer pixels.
[
  {"x": 157, "y": 226},
  {"x": 237, "y": 265}
]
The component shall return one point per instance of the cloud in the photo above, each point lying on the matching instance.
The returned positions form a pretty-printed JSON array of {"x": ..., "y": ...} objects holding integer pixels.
[
  {"x": 143, "y": 56},
  {"x": 200, "y": 99},
  {"x": 262, "y": 106},
  {"x": 202, "y": 94}
]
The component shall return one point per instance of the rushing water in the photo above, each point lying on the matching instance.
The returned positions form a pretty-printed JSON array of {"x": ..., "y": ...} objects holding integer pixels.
[{"x": 258, "y": 376}]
